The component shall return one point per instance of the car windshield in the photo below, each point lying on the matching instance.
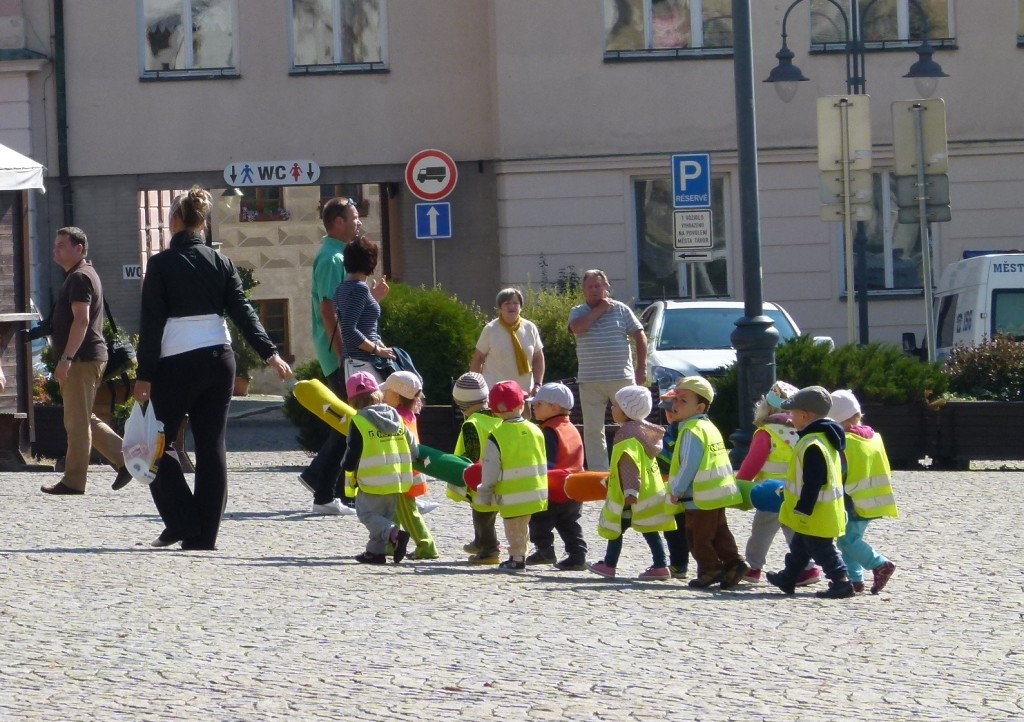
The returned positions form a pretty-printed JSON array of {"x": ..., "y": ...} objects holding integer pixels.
[{"x": 710, "y": 328}]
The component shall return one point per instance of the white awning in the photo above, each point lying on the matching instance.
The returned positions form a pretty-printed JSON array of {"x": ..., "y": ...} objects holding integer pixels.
[{"x": 18, "y": 172}]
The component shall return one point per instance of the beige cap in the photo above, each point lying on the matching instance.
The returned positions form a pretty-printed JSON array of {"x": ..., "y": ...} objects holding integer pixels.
[{"x": 697, "y": 384}]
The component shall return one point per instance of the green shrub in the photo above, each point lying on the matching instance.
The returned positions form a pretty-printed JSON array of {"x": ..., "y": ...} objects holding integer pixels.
[
  {"x": 549, "y": 309},
  {"x": 990, "y": 371},
  {"x": 877, "y": 373},
  {"x": 312, "y": 432},
  {"x": 437, "y": 330}
]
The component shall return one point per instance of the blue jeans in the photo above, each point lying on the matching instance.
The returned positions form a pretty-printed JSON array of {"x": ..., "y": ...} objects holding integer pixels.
[
  {"x": 653, "y": 539},
  {"x": 857, "y": 553}
]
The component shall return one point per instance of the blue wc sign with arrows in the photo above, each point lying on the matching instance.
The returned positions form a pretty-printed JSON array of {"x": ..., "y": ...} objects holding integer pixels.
[
  {"x": 433, "y": 220},
  {"x": 246, "y": 173}
]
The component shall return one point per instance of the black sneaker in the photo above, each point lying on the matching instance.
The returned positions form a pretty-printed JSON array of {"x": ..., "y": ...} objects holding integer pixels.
[
  {"x": 371, "y": 558},
  {"x": 707, "y": 580},
  {"x": 401, "y": 545},
  {"x": 777, "y": 580},
  {"x": 572, "y": 564},
  {"x": 542, "y": 557},
  {"x": 123, "y": 477},
  {"x": 836, "y": 590},
  {"x": 734, "y": 574},
  {"x": 510, "y": 565}
]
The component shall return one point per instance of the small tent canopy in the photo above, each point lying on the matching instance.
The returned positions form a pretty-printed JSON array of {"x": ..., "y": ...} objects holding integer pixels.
[{"x": 18, "y": 173}]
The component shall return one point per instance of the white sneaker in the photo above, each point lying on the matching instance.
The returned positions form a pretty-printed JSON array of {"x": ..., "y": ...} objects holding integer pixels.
[
  {"x": 332, "y": 508},
  {"x": 425, "y": 507}
]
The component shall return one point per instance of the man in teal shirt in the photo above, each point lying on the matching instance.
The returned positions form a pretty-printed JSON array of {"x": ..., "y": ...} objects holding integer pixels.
[{"x": 323, "y": 476}]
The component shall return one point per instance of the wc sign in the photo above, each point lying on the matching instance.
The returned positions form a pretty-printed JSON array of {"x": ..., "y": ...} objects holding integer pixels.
[{"x": 691, "y": 180}]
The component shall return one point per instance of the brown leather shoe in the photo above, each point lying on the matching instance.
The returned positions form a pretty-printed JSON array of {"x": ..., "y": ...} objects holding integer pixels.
[{"x": 61, "y": 489}]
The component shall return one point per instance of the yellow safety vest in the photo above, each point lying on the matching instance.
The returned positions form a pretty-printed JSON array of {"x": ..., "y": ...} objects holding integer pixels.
[
  {"x": 651, "y": 511},
  {"x": 714, "y": 486},
  {"x": 385, "y": 466},
  {"x": 869, "y": 478},
  {"x": 523, "y": 486},
  {"x": 484, "y": 423},
  {"x": 828, "y": 520},
  {"x": 776, "y": 466}
]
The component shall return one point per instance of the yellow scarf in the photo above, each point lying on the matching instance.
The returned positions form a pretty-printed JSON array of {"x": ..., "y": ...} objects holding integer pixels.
[{"x": 522, "y": 362}]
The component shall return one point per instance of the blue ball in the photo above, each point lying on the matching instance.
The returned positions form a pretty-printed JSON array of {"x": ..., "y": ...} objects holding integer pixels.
[{"x": 767, "y": 496}]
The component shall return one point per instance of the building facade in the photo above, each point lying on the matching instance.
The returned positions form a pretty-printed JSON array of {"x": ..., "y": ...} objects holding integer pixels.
[{"x": 562, "y": 118}]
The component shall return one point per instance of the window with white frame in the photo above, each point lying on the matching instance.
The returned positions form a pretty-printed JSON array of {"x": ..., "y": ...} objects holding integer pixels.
[
  {"x": 893, "y": 249},
  {"x": 338, "y": 35},
  {"x": 659, "y": 272},
  {"x": 885, "y": 23},
  {"x": 188, "y": 38},
  {"x": 666, "y": 28}
]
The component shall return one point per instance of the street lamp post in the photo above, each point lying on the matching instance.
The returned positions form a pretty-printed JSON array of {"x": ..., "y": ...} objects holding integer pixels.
[
  {"x": 925, "y": 73},
  {"x": 754, "y": 337}
]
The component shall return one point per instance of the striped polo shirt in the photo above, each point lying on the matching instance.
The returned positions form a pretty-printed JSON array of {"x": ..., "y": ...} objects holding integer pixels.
[{"x": 602, "y": 352}]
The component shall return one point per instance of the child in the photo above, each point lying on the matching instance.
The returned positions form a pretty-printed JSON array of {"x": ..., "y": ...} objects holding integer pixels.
[
  {"x": 675, "y": 540},
  {"x": 771, "y": 449},
  {"x": 636, "y": 493},
  {"x": 470, "y": 394},
  {"x": 564, "y": 445},
  {"x": 812, "y": 500},
  {"x": 403, "y": 391},
  {"x": 868, "y": 496},
  {"x": 701, "y": 477},
  {"x": 377, "y": 432},
  {"x": 514, "y": 471}
]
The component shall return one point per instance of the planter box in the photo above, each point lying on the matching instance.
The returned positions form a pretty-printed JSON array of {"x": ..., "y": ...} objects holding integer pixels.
[
  {"x": 903, "y": 430},
  {"x": 439, "y": 426},
  {"x": 977, "y": 430}
]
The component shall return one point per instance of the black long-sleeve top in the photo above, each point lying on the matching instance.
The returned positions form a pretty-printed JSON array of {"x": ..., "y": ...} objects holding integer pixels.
[{"x": 191, "y": 279}]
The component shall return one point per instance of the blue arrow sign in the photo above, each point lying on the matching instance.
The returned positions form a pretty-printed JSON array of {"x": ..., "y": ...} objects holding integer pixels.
[
  {"x": 691, "y": 180},
  {"x": 433, "y": 220}
]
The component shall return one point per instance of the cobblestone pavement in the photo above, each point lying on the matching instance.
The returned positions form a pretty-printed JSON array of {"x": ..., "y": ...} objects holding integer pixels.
[{"x": 281, "y": 623}]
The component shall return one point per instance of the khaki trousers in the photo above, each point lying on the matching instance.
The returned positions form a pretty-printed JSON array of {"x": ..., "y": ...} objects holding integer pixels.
[
  {"x": 517, "y": 533},
  {"x": 594, "y": 399},
  {"x": 83, "y": 428}
]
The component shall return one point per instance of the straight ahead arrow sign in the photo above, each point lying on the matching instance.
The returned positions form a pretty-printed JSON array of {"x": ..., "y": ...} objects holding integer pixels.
[{"x": 432, "y": 214}]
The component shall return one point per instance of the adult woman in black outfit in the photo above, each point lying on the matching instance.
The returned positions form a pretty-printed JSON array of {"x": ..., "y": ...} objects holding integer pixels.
[{"x": 186, "y": 366}]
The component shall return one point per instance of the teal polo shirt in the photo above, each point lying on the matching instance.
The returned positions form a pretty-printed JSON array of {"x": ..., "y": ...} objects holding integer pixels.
[{"x": 328, "y": 272}]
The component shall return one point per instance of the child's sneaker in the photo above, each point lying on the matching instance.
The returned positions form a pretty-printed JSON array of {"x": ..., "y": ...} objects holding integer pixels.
[
  {"x": 777, "y": 580},
  {"x": 371, "y": 558},
  {"x": 753, "y": 576},
  {"x": 494, "y": 558},
  {"x": 706, "y": 580},
  {"x": 734, "y": 574},
  {"x": 858, "y": 587},
  {"x": 511, "y": 565},
  {"x": 809, "y": 576},
  {"x": 655, "y": 574},
  {"x": 471, "y": 548},
  {"x": 602, "y": 570},
  {"x": 542, "y": 557},
  {"x": 678, "y": 572},
  {"x": 400, "y": 541},
  {"x": 572, "y": 564},
  {"x": 836, "y": 590},
  {"x": 881, "y": 576}
]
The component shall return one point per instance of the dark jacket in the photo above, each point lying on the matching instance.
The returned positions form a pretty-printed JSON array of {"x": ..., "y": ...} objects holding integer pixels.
[
  {"x": 192, "y": 279},
  {"x": 814, "y": 467}
]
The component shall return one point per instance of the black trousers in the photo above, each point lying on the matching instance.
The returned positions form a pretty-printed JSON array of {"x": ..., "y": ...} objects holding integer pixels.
[
  {"x": 197, "y": 383},
  {"x": 563, "y": 517},
  {"x": 678, "y": 548},
  {"x": 804, "y": 548},
  {"x": 324, "y": 472}
]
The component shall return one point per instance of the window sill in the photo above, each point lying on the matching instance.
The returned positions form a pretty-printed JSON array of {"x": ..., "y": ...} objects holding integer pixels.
[
  {"x": 632, "y": 56},
  {"x": 353, "y": 69},
  {"x": 894, "y": 45},
  {"x": 150, "y": 76}
]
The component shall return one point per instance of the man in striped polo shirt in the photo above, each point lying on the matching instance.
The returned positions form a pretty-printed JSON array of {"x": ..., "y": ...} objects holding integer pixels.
[{"x": 602, "y": 327}]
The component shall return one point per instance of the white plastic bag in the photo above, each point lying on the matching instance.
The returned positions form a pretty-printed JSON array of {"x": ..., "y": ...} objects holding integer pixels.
[{"x": 143, "y": 442}]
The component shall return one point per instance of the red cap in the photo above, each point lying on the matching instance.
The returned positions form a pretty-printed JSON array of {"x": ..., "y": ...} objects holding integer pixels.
[{"x": 506, "y": 396}]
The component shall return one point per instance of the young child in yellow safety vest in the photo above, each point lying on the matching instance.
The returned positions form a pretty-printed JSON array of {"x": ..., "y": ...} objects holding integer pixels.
[
  {"x": 403, "y": 391},
  {"x": 470, "y": 395},
  {"x": 514, "y": 471},
  {"x": 868, "y": 487},
  {"x": 378, "y": 433},
  {"x": 701, "y": 477},
  {"x": 637, "y": 496},
  {"x": 812, "y": 500}
]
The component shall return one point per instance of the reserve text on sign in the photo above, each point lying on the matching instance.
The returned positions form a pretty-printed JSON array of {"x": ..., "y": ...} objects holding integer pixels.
[{"x": 692, "y": 229}]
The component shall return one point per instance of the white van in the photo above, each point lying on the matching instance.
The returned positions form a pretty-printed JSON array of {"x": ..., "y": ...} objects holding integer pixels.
[{"x": 977, "y": 298}]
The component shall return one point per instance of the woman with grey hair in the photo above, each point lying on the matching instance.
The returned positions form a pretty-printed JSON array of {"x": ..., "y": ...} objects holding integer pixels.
[{"x": 509, "y": 347}]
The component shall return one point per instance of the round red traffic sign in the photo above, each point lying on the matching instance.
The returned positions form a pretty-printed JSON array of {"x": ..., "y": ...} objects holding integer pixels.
[{"x": 431, "y": 174}]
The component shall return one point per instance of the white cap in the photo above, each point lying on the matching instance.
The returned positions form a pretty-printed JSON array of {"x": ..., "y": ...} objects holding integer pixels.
[
  {"x": 635, "y": 402},
  {"x": 844, "y": 405},
  {"x": 404, "y": 383}
]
